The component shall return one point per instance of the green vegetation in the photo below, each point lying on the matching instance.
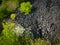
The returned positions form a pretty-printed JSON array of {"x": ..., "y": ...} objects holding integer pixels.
[
  {"x": 58, "y": 40},
  {"x": 7, "y": 37},
  {"x": 11, "y": 33},
  {"x": 3, "y": 12},
  {"x": 25, "y": 40},
  {"x": 10, "y": 4},
  {"x": 7, "y": 6},
  {"x": 25, "y": 7},
  {"x": 8, "y": 25},
  {"x": 13, "y": 16}
]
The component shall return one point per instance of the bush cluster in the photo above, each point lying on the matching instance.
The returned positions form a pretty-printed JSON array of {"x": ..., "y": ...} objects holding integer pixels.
[
  {"x": 7, "y": 37},
  {"x": 7, "y": 6},
  {"x": 25, "y": 7},
  {"x": 13, "y": 16}
]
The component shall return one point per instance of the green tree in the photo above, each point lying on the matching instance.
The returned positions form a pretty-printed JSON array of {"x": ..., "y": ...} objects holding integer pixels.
[{"x": 25, "y": 7}]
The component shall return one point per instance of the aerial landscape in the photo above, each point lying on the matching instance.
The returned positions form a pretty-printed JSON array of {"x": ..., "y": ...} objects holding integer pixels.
[{"x": 29, "y": 22}]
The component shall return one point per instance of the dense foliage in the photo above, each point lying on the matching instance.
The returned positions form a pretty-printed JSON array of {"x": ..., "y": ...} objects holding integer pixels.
[
  {"x": 3, "y": 12},
  {"x": 13, "y": 16},
  {"x": 7, "y": 6},
  {"x": 25, "y": 7},
  {"x": 10, "y": 4},
  {"x": 7, "y": 37}
]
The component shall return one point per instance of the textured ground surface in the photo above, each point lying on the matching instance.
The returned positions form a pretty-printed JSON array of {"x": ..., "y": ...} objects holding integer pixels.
[{"x": 44, "y": 20}]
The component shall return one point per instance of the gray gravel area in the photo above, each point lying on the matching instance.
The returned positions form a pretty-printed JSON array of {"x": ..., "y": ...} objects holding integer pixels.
[{"x": 44, "y": 20}]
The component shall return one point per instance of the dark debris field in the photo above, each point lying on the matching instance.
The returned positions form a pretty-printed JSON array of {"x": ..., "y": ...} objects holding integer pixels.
[{"x": 44, "y": 18}]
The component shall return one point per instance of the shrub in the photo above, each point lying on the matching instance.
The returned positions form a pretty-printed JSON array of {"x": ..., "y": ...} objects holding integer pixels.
[
  {"x": 42, "y": 42},
  {"x": 8, "y": 25},
  {"x": 7, "y": 6},
  {"x": 7, "y": 37},
  {"x": 58, "y": 39},
  {"x": 25, "y": 7},
  {"x": 3, "y": 12},
  {"x": 13, "y": 16},
  {"x": 25, "y": 40},
  {"x": 10, "y": 4}
]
